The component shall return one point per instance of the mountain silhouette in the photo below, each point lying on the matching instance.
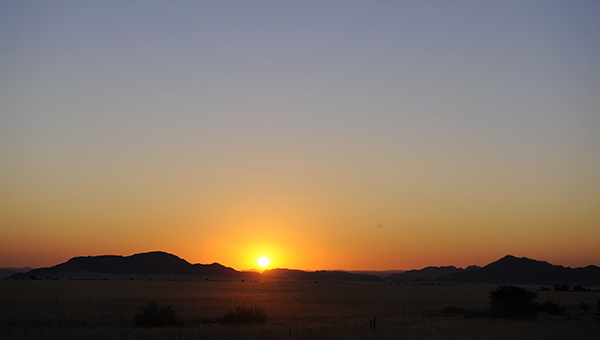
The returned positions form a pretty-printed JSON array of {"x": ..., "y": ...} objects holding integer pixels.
[
  {"x": 161, "y": 265},
  {"x": 6, "y": 272},
  {"x": 155, "y": 264},
  {"x": 319, "y": 275},
  {"x": 515, "y": 270},
  {"x": 428, "y": 274}
]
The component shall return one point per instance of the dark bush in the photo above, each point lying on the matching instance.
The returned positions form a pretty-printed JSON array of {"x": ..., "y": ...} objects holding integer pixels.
[
  {"x": 584, "y": 306},
  {"x": 243, "y": 314},
  {"x": 561, "y": 287},
  {"x": 153, "y": 315},
  {"x": 552, "y": 308},
  {"x": 513, "y": 303}
]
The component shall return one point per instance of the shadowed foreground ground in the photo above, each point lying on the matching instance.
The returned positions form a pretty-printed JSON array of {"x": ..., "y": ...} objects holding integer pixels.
[{"x": 105, "y": 310}]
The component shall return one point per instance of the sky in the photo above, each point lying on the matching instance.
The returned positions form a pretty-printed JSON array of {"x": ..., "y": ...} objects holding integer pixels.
[{"x": 321, "y": 134}]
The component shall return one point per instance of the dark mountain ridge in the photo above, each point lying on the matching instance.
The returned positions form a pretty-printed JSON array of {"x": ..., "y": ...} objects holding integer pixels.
[
  {"x": 6, "y": 272},
  {"x": 161, "y": 265},
  {"x": 151, "y": 264},
  {"x": 428, "y": 273},
  {"x": 515, "y": 270},
  {"x": 319, "y": 275}
]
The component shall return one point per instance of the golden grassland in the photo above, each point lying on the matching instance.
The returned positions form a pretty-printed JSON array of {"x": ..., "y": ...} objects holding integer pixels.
[{"x": 65, "y": 309}]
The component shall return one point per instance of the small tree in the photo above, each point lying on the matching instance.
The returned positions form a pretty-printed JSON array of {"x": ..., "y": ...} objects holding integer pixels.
[
  {"x": 154, "y": 315},
  {"x": 513, "y": 303},
  {"x": 551, "y": 308}
]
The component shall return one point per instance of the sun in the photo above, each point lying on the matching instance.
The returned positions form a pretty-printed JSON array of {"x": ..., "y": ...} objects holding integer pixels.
[{"x": 263, "y": 262}]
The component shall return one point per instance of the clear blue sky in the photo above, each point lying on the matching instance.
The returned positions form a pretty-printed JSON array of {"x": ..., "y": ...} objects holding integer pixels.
[{"x": 136, "y": 125}]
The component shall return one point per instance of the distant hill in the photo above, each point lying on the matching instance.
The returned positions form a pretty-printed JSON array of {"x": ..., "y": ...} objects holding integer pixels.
[
  {"x": 146, "y": 265},
  {"x": 428, "y": 274},
  {"x": 380, "y": 273},
  {"x": 514, "y": 270},
  {"x": 507, "y": 270},
  {"x": 320, "y": 275},
  {"x": 6, "y": 272},
  {"x": 161, "y": 265}
]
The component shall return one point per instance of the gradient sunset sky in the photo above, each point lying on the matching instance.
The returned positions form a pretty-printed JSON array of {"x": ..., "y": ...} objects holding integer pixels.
[{"x": 321, "y": 134}]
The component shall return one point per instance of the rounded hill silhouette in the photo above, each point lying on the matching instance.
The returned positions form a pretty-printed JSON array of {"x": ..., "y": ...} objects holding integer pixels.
[{"x": 156, "y": 264}]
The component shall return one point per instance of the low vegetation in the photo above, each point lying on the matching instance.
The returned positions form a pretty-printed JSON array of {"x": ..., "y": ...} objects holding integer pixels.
[
  {"x": 552, "y": 308},
  {"x": 154, "y": 315},
  {"x": 468, "y": 313},
  {"x": 243, "y": 314},
  {"x": 513, "y": 302},
  {"x": 192, "y": 310}
]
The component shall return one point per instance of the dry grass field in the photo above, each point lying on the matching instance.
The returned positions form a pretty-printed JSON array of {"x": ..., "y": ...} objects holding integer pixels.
[{"x": 91, "y": 310}]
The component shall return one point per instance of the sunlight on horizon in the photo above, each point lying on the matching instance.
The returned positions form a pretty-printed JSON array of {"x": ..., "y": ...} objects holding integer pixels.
[{"x": 263, "y": 262}]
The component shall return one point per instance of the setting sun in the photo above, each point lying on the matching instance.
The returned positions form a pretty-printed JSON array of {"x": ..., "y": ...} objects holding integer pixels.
[{"x": 263, "y": 262}]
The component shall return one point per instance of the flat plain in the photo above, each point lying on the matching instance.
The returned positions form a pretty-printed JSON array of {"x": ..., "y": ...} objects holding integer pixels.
[{"x": 105, "y": 309}]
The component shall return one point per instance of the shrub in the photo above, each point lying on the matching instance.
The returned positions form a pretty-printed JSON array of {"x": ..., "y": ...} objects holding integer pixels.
[
  {"x": 513, "y": 303},
  {"x": 561, "y": 287},
  {"x": 243, "y": 314},
  {"x": 154, "y": 315},
  {"x": 580, "y": 289},
  {"x": 552, "y": 308},
  {"x": 583, "y": 306}
]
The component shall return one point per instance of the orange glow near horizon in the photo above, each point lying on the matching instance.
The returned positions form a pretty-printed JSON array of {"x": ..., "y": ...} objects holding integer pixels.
[
  {"x": 220, "y": 134},
  {"x": 300, "y": 234}
]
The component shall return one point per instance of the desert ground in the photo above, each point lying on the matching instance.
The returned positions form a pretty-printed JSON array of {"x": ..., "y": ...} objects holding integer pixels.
[{"x": 106, "y": 309}]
